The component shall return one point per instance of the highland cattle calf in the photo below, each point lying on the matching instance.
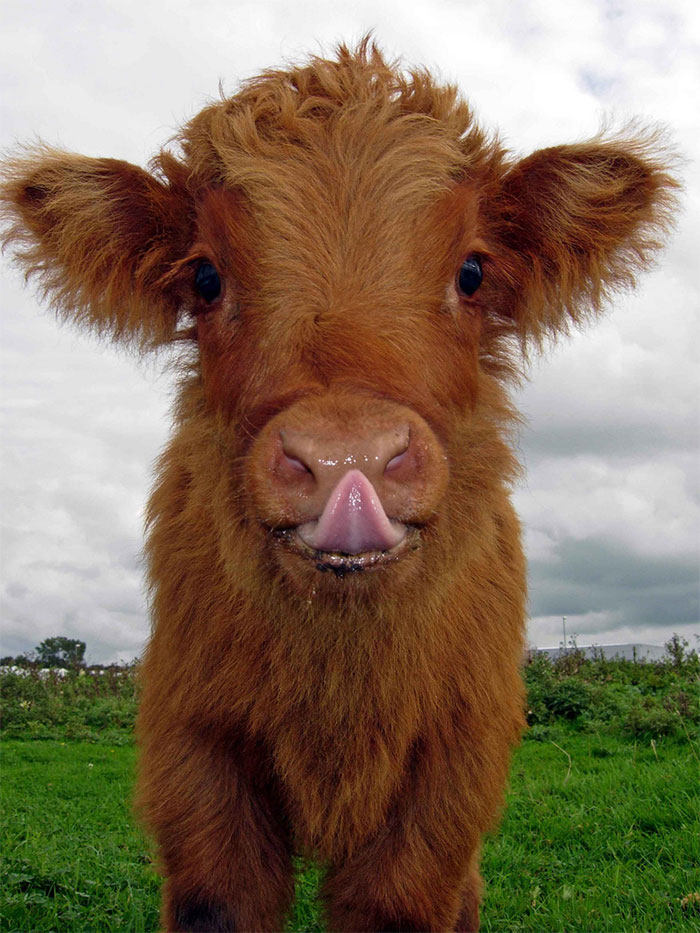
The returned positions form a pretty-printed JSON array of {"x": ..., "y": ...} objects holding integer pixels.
[{"x": 351, "y": 270}]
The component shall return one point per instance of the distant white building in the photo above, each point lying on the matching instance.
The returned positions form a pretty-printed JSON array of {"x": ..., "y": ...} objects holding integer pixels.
[{"x": 631, "y": 652}]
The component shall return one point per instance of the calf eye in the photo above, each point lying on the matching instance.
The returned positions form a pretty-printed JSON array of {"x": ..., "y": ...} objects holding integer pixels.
[
  {"x": 207, "y": 281},
  {"x": 469, "y": 276}
]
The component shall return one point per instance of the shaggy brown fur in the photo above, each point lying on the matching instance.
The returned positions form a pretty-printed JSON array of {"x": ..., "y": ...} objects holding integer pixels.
[{"x": 356, "y": 705}]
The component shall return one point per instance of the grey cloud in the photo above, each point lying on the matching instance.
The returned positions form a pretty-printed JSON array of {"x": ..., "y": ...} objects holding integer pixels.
[
  {"x": 598, "y": 84},
  {"x": 66, "y": 569},
  {"x": 632, "y": 439},
  {"x": 596, "y": 576}
]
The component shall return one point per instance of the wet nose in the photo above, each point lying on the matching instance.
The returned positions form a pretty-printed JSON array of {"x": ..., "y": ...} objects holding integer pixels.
[
  {"x": 325, "y": 460},
  {"x": 346, "y": 473}
]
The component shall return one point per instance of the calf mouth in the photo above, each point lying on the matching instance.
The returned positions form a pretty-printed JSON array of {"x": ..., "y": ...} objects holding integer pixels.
[{"x": 340, "y": 564}]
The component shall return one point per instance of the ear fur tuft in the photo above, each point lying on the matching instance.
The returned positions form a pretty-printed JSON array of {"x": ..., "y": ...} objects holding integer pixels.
[
  {"x": 579, "y": 222},
  {"x": 98, "y": 234}
]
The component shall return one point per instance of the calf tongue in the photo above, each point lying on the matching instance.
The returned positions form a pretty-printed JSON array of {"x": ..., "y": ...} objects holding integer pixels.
[{"x": 353, "y": 520}]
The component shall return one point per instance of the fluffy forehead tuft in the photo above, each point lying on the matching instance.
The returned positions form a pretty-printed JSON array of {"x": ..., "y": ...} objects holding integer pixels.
[{"x": 322, "y": 113}]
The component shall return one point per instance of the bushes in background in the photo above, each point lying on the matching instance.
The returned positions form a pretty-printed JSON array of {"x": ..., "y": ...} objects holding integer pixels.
[
  {"x": 637, "y": 699},
  {"x": 96, "y": 704},
  {"x": 642, "y": 699}
]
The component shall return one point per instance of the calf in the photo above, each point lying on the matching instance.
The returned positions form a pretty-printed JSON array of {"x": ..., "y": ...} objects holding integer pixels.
[{"x": 351, "y": 270}]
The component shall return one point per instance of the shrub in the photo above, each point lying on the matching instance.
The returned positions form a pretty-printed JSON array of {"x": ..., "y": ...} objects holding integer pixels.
[
  {"x": 648, "y": 718},
  {"x": 77, "y": 703},
  {"x": 568, "y": 698}
]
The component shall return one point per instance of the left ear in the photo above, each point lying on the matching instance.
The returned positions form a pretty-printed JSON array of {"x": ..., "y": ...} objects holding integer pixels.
[
  {"x": 577, "y": 222},
  {"x": 100, "y": 234}
]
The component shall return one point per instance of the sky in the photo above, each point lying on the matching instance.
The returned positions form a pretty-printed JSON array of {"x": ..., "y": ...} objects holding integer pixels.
[{"x": 609, "y": 498}]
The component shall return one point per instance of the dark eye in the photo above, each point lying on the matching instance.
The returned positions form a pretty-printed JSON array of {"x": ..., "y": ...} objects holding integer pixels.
[
  {"x": 469, "y": 276},
  {"x": 207, "y": 281}
]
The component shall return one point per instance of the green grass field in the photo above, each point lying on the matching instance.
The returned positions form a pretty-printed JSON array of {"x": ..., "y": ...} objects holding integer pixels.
[
  {"x": 601, "y": 830},
  {"x": 599, "y": 834}
]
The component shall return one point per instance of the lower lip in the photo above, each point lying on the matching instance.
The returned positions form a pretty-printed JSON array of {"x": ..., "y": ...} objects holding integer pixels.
[{"x": 342, "y": 564}]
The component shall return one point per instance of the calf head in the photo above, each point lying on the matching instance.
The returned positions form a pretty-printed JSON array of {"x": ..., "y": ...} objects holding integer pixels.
[{"x": 352, "y": 271}]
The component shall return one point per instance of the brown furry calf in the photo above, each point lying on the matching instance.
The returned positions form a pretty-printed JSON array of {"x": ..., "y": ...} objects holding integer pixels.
[{"x": 353, "y": 269}]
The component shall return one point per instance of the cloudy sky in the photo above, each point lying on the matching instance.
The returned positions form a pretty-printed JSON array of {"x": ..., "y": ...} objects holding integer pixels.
[{"x": 610, "y": 497}]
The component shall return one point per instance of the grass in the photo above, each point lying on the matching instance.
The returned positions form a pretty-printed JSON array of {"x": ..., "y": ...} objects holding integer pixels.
[
  {"x": 601, "y": 830},
  {"x": 600, "y": 833},
  {"x": 72, "y": 857}
]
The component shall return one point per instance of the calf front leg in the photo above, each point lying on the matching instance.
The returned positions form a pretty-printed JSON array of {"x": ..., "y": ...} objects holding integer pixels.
[
  {"x": 216, "y": 812},
  {"x": 468, "y": 919},
  {"x": 397, "y": 885},
  {"x": 418, "y": 873}
]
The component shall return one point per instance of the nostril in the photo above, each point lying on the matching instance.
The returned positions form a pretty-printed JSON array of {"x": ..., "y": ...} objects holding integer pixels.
[
  {"x": 396, "y": 450},
  {"x": 294, "y": 457},
  {"x": 396, "y": 461},
  {"x": 294, "y": 463}
]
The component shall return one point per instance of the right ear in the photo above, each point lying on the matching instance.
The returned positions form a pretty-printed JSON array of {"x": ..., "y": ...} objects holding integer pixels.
[{"x": 100, "y": 234}]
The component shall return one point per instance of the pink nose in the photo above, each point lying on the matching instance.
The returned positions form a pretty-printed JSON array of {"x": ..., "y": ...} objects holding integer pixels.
[
  {"x": 329, "y": 459},
  {"x": 342, "y": 485}
]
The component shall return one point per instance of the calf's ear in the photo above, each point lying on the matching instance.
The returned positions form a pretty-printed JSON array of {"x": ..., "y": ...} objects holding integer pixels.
[
  {"x": 99, "y": 234},
  {"x": 578, "y": 222}
]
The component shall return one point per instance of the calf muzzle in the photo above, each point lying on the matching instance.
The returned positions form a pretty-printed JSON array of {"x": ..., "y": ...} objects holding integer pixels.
[{"x": 351, "y": 477}]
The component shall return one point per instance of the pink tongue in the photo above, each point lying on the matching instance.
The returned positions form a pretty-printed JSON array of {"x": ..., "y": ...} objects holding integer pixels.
[{"x": 353, "y": 521}]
